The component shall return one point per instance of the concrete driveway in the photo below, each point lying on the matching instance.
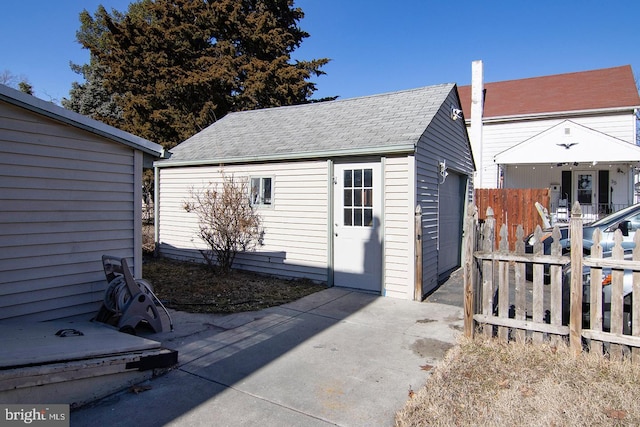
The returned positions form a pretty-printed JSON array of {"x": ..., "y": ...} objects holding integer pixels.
[{"x": 335, "y": 357}]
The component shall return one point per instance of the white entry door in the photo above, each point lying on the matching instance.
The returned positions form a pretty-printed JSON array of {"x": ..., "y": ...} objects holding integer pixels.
[
  {"x": 585, "y": 191},
  {"x": 357, "y": 228}
]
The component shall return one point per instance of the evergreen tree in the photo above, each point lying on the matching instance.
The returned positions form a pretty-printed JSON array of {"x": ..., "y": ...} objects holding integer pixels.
[
  {"x": 175, "y": 66},
  {"x": 92, "y": 98}
]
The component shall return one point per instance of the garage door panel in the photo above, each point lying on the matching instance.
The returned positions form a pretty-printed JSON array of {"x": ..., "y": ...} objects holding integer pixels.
[{"x": 450, "y": 211}]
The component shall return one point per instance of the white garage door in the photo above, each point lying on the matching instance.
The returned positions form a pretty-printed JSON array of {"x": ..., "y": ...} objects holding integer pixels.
[{"x": 450, "y": 210}]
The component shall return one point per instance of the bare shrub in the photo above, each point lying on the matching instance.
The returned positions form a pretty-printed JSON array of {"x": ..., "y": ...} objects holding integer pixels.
[{"x": 227, "y": 222}]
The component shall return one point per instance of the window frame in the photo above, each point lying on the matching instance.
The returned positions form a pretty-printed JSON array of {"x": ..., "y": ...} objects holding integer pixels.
[
  {"x": 360, "y": 208},
  {"x": 261, "y": 179}
]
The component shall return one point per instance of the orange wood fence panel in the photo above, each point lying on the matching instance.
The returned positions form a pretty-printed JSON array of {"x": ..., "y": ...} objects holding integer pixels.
[{"x": 512, "y": 206}]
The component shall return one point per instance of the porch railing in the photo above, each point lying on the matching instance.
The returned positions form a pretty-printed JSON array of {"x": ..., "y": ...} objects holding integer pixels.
[{"x": 590, "y": 213}]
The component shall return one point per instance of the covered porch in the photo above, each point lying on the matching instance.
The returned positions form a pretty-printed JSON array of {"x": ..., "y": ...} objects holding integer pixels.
[{"x": 577, "y": 164}]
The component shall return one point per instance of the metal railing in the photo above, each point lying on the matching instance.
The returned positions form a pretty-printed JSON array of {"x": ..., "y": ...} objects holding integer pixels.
[{"x": 590, "y": 213}]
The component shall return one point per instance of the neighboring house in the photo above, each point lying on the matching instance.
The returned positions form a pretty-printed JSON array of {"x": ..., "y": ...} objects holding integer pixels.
[
  {"x": 70, "y": 191},
  {"x": 337, "y": 185},
  {"x": 573, "y": 133}
]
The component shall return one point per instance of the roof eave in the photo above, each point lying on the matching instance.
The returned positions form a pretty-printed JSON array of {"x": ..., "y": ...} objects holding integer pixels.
[
  {"x": 74, "y": 119},
  {"x": 573, "y": 113},
  {"x": 393, "y": 149}
]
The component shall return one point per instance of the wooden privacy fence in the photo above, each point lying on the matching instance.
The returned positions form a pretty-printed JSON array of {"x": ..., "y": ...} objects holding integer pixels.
[
  {"x": 499, "y": 300},
  {"x": 513, "y": 207}
]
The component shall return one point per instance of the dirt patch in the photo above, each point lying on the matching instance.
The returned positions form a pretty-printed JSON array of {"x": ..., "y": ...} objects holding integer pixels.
[{"x": 195, "y": 288}]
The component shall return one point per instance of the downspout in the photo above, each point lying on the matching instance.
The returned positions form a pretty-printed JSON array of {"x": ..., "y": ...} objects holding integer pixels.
[
  {"x": 477, "y": 108},
  {"x": 138, "y": 160},
  {"x": 156, "y": 210},
  {"x": 383, "y": 285},
  {"x": 330, "y": 219}
]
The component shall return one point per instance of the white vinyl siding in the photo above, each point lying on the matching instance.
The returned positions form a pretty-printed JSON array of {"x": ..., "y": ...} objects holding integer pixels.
[
  {"x": 295, "y": 224},
  {"x": 498, "y": 137},
  {"x": 66, "y": 198},
  {"x": 398, "y": 228}
]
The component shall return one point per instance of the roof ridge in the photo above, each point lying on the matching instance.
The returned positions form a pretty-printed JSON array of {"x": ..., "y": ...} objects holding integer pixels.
[
  {"x": 547, "y": 76},
  {"x": 354, "y": 99}
]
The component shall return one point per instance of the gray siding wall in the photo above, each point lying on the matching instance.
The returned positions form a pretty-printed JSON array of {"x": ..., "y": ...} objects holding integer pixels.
[
  {"x": 295, "y": 241},
  {"x": 444, "y": 140},
  {"x": 66, "y": 198}
]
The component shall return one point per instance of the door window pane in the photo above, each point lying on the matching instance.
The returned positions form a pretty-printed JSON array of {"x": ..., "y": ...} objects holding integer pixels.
[
  {"x": 357, "y": 178},
  {"x": 357, "y": 217},
  {"x": 368, "y": 217},
  {"x": 368, "y": 199},
  {"x": 348, "y": 217},
  {"x": 357, "y": 197},
  {"x": 348, "y": 182},
  {"x": 348, "y": 198},
  {"x": 368, "y": 177}
]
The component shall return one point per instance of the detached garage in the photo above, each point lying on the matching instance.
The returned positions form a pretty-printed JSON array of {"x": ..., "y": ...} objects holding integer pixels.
[{"x": 339, "y": 186}]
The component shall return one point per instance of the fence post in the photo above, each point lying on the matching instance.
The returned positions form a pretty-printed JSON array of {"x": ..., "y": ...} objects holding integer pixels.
[
  {"x": 503, "y": 282},
  {"x": 469, "y": 232},
  {"x": 575, "y": 318}
]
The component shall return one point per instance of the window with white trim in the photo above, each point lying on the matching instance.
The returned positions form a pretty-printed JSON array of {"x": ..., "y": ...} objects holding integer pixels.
[
  {"x": 261, "y": 191},
  {"x": 358, "y": 197}
]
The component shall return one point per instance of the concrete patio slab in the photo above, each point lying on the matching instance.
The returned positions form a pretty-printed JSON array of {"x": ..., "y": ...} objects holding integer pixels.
[{"x": 336, "y": 357}]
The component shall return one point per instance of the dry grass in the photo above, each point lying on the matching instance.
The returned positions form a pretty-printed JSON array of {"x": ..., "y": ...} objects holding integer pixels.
[
  {"x": 485, "y": 382},
  {"x": 195, "y": 288}
]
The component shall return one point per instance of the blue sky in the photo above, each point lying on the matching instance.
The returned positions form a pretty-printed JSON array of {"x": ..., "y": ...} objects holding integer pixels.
[{"x": 375, "y": 46}]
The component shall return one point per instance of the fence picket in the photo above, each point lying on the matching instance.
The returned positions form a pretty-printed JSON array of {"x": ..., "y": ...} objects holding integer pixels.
[
  {"x": 617, "y": 279},
  {"x": 595, "y": 296},
  {"x": 503, "y": 282},
  {"x": 555, "y": 295},
  {"x": 521, "y": 290},
  {"x": 537, "y": 308},
  {"x": 488, "y": 241}
]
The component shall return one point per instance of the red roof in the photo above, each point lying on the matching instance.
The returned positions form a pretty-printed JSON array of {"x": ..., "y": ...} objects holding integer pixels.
[{"x": 587, "y": 90}]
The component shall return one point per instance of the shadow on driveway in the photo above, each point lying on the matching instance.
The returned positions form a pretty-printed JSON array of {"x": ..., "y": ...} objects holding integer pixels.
[{"x": 335, "y": 357}]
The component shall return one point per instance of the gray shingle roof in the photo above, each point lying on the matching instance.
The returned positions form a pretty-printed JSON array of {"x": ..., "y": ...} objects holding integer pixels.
[{"x": 373, "y": 124}]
